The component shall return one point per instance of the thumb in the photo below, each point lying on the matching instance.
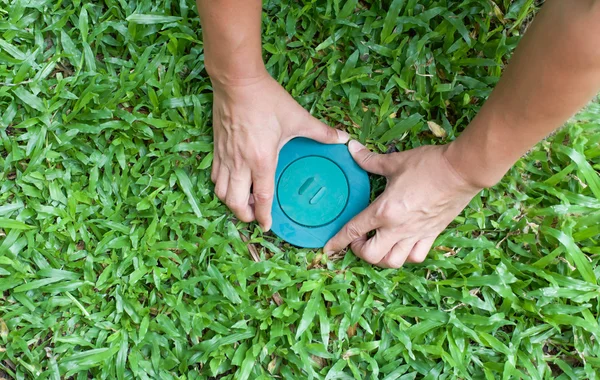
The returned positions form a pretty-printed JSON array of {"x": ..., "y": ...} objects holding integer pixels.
[
  {"x": 371, "y": 162},
  {"x": 316, "y": 130}
]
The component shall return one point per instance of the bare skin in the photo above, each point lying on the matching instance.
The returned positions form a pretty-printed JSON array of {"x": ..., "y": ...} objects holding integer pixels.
[
  {"x": 253, "y": 116},
  {"x": 413, "y": 209},
  {"x": 554, "y": 72}
]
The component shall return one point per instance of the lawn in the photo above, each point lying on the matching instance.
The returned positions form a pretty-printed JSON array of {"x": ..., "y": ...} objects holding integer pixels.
[{"x": 117, "y": 261}]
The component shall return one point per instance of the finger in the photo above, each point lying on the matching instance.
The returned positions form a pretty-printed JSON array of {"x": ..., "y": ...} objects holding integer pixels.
[
  {"x": 374, "y": 249},
  {"x": 358, "y": 244},
  {"x": 238, "y": 194},
  {"x": 222, "y": 182},
  {"x": 420, "y": 251},
  {"x": 371, "y": 162},
  {"x": 398, "y": 254},
  {"x": 360, "y": 225},
  {"x": 263, "y": 187},
  {"x": 317, "y": 130}
]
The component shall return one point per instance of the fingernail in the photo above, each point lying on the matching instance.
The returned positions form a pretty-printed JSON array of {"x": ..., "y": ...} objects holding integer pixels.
[
  {"x": 343, "y": 136},
  {"x": 354, "y": 146}
]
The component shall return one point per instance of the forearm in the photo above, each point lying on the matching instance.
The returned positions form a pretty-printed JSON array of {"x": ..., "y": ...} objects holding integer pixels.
[
  {"x": 232, "y": 39},
  {"x": 554, "y": 72}
]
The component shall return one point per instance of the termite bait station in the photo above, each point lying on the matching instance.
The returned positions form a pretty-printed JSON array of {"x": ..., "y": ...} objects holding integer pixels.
[{"x": 318, "y": 189}]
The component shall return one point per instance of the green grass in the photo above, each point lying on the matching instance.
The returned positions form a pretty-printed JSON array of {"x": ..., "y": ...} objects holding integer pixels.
[{"x": 117, "y": 261}]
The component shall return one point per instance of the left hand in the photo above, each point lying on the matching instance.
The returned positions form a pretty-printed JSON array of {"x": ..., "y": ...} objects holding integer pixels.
[
  {"x": 252, "y": 120},
  {"x": 423, "y": 195}
]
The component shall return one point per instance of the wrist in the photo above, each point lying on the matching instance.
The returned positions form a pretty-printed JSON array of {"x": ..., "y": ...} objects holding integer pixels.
[
  {"x": 470, "y": 172},
  {"x": 232, "y": 74},
  {"x": 481, "y": 155}
]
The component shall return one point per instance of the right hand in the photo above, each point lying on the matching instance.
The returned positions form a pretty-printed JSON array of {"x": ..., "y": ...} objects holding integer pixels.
[
  {"x": 424, "y": 194},
  {"x": 252, "y": 120}
]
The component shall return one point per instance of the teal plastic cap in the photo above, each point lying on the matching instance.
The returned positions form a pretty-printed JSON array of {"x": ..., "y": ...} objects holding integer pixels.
[{"x": 318, "y": 189}]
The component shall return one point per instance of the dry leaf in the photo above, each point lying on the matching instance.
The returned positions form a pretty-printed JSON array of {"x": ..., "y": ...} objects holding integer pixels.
[
  {"x": 316, "y": 263},
  {"x": 277, "y": 298},
  {"x": 251, "y": 248},
  {"x": 271, "y": 366},
  {"x": 351, "y": 330},
  {"x": 3, "y": 329},
  {"x": 348, "y": 354},
  {"x": 436, "y": 129},
  {"x": 321, "y": 362},
  {"x": 498, "y": 12}
]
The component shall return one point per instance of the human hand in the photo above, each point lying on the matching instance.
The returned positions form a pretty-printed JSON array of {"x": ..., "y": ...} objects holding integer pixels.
[
  {"x": 423, "y": 195},
  {"x": 252, "y": 120}
]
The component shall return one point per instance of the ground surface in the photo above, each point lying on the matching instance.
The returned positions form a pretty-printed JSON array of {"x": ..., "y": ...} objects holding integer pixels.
[{"x": 117, "y": 261}]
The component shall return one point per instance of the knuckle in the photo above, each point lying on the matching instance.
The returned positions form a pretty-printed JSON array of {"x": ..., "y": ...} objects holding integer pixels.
[
  {"x": 373, "y": 160},
  {"x": 353, "y": 231},
  {"x": 220, "y": 192},
  {"x": 384, "y": 211},
  {"x": 370, "y": 260},
  {"x": 419, "y": 257},
  {"x": 394, "y": 261},
  {"x": 370, "y": 256},
  {"x": 331, "y": 133},
  {"x": 367, "y": 158},
  {"x": 389, "y": 214},
  {"x": 244, "y": 217},
  {"x": 263, "y": 196},
  {"x": 234, "y": 204}
]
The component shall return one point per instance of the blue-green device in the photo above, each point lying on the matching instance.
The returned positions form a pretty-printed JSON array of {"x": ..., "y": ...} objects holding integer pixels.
[{"x": 318, "y": 189}]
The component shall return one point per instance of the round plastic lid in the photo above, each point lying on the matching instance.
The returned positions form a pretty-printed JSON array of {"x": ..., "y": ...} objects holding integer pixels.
[{"x": 318, "y": 189}]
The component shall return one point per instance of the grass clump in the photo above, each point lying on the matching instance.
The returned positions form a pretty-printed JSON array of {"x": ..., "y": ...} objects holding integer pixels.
[{"x": 117, "y": 261}]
